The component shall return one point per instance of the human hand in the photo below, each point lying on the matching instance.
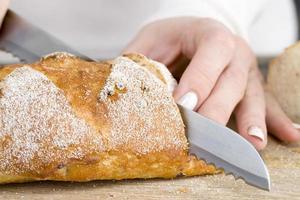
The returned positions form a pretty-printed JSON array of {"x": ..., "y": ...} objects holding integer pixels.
[{"x": 222, "y": 76}]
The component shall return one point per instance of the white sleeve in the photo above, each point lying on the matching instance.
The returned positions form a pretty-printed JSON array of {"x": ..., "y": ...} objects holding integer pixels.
[
  {"x": 3, "y": 8},
  {"x": 237, "y": 15}
]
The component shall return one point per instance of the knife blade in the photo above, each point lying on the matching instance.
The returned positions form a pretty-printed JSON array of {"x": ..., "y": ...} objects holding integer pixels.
[
  {"x": 224, "y": 148},
  {"x": 29, "y": 42},
  {"x": 208, "y": 140}
]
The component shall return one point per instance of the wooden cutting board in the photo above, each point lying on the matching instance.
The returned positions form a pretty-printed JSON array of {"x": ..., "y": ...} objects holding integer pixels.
[{"x": 283, "y": 163}]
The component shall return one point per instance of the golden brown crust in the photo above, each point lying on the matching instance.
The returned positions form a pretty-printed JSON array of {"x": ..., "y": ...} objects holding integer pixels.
[{"x": 155, "y": 148}]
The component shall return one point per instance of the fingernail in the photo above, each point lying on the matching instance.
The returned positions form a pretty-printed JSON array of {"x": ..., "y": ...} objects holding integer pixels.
[
  {"x": 189, "y": 100},
  {"x": 297, "y": 126},
  {"x": 256, "y": 132}
]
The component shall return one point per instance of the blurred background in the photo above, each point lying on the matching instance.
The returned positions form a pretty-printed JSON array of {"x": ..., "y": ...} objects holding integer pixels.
[{"x": 95, "y": 27}]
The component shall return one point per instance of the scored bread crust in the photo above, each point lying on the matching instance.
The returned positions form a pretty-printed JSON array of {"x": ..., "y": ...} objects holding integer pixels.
[{"x": 67, "y": 119}]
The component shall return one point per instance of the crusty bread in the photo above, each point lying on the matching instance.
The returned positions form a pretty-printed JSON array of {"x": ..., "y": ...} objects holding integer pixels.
[
  {"x": 284, "y": 81},
  {"x": 67, "y": 119}
]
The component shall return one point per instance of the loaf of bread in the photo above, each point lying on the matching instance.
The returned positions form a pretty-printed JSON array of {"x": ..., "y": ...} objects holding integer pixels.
[
  {"x": 66, "y": 119},
  {"x": 284, "y": 81}
]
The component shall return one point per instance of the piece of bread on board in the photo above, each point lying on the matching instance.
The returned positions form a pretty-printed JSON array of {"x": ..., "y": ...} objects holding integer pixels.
[
  {"x": 66, "y": 119},
  {"x": 284, "y": 81}
]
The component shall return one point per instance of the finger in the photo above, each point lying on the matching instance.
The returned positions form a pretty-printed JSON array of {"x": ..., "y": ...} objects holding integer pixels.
[
  {"x": 251, "y": 112},
  {"x": 229, "y": 89},
  {"x": 154, "y": 45},
  {"x": 213, "y": 54},
  {"x": 140, "y": 45},
  {"x": 278, "y": 123}
]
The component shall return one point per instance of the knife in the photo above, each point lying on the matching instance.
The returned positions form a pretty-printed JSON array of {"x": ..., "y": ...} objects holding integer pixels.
[{"x": 208, "y": 140}]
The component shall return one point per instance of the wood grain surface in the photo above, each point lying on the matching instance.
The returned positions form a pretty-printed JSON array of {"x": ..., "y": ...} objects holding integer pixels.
[{"x": 283, "y": 163}]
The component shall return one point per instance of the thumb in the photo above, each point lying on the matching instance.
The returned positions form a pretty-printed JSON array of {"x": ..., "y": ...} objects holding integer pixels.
[
  {"x": 142, "y": 43},
  {"x": 153, "y": 48},
  {"x": 155, "y": 42}
]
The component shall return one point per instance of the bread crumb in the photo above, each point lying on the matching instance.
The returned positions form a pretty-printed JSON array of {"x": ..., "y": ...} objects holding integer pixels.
[{"x": 183, "y": 190}]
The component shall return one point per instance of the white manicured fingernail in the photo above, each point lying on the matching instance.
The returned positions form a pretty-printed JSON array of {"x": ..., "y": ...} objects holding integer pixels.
[
  {"x": 256, "y": 132},
  {"x": 297, "y": 126},
  {"x": 189, "y": 100}
]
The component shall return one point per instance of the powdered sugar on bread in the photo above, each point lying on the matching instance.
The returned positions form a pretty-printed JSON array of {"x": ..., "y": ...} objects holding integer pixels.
[
  {"x": 140, "y": 110},
  {"x": 168, "y": 77},
  {"x": 37, "y": 123}
]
